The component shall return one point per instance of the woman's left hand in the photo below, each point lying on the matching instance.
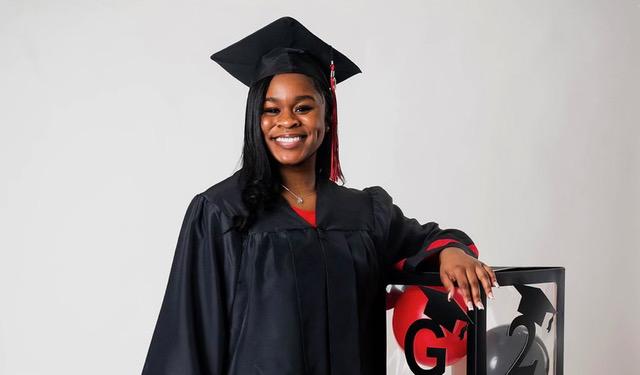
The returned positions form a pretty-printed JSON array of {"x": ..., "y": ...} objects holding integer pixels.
[{"x": 458, "y": 267}]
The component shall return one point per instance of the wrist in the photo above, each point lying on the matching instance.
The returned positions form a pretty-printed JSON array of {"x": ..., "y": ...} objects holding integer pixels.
[{"x": 449, "y": 251}]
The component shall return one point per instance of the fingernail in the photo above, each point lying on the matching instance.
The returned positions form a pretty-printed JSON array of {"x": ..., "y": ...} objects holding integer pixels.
[
  {"x": 450, "y": 295},
  {"x": 469, "y": 305},
  {"x": 490, "y": 295},
  {"x": 495, "y": 283},
  {"x": 480, "y": 305}
]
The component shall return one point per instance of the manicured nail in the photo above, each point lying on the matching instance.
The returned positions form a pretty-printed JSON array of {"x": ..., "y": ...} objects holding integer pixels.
[
  {"x": 495, "y": 283},
  {"x": 480, "y": 306},
  {"x": 470, "y": 305},
  {"x": 450, "y": 295},
  {"x": 490, "y": 295}
]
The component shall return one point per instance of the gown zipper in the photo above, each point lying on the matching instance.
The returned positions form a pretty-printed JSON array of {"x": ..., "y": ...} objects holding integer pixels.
[{"x": 326, "y": 288}]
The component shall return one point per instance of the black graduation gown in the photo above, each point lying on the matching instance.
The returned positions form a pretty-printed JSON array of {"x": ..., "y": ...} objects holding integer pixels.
[{"x": 287, "y": 298}]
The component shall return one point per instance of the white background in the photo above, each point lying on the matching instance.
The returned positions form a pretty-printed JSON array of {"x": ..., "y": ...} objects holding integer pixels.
[{"x": 516, "y": 121}]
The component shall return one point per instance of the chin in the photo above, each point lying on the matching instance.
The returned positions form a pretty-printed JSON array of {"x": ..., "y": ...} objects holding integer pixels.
[{"x": 290, "y": 161}]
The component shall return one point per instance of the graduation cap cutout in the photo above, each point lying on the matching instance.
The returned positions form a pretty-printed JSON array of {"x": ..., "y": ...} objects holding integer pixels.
[
  {"x": 286, "y": 46},
  {"x": 440, "y": 310},
  {"x": 534, "y": 304}
]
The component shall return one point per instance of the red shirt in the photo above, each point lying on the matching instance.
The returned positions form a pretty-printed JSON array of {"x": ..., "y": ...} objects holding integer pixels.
[{"x": 308, "y": 215}]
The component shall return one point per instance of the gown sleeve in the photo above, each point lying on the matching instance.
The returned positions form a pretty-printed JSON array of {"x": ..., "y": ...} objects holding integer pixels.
[
  {"x": 190, "y": 335},
  {"x": 407, "y": 245}
]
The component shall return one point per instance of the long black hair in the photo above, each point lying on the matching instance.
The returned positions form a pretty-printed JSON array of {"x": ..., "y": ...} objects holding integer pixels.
[{"x": 260, "y": 173}]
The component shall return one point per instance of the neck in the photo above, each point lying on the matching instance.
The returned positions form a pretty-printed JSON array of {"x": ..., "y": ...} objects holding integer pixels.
[{"x": 300, "y": 178}]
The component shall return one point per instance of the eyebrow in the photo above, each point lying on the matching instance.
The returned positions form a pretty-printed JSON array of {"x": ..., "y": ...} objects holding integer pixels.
[{"x": 297, "y": 98}]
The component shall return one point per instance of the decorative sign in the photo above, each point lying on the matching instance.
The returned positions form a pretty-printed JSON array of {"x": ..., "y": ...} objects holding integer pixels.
[{"x": 519, "y": 333}]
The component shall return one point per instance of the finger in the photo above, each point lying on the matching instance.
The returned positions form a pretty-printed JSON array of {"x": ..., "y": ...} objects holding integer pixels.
[
  {"x": 485, "y": 279},
  {"x": 463, "y": 285},
  {"x": 448, "y": 284},
  {"x": 475, "y": 288},
  {"x": 492, "y": 274}
]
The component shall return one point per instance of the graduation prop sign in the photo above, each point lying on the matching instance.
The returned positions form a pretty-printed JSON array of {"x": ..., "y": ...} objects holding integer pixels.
[{"x": 520, "y": 331}]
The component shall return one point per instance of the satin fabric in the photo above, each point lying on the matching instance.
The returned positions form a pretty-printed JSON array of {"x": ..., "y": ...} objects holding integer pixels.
[{"x": 287, "y": 298}]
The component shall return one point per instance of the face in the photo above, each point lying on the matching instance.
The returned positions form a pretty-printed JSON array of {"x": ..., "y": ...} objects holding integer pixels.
[{"x": 293, "y": 120}]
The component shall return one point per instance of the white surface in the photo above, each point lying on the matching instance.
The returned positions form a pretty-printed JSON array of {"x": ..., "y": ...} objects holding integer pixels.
[{"x": 516, "y": 121}]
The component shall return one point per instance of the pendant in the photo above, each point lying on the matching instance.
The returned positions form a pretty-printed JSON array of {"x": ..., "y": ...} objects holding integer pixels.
[{"x": 299, "y": 200}]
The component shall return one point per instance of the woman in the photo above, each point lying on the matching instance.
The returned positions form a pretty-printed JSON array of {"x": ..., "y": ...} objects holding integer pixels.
[{"x": 278, "y": 269}]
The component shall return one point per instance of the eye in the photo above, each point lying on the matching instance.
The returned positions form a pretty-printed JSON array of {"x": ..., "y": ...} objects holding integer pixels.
[
  {"x": 305, "y": 108},
  {"x": 270, "y": 110}
]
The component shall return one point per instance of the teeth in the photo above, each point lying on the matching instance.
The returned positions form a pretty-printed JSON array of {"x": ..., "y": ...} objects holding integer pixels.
[{"x": 288, "y": 139}]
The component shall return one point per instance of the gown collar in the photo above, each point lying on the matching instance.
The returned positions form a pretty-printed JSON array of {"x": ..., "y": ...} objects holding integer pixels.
[{"x": 337, "y": 208}]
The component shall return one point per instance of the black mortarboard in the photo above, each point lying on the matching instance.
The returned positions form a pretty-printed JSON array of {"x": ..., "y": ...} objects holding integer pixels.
[
  {"x": 442, "y": 311},
  {"x": 283, "y": 46},
  {"x": 534, "y": 303},
  {"x": 286, "y": 46}
]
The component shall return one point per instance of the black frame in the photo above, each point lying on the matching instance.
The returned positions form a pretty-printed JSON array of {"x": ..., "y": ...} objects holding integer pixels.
[{"x": 507, "y": 276}]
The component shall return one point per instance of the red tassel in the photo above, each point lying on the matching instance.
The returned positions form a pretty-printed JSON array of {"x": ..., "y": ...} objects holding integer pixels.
[{"x": 336, "y": 171}]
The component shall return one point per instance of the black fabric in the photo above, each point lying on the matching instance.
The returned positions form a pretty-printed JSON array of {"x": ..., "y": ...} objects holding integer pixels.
[
  {"x": 283, "y": 46},
  {"x": 286, "y": 298}
]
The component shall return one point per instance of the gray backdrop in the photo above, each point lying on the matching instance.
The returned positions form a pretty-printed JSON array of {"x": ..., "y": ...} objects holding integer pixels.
[{"x": 515, "y": 121}]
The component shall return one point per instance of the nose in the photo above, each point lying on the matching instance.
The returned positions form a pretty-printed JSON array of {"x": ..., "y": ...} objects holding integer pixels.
[{"x": 287, "y": 119}]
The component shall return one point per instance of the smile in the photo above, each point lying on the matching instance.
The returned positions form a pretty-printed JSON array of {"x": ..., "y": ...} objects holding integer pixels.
[{"x": 290, "y": 142}]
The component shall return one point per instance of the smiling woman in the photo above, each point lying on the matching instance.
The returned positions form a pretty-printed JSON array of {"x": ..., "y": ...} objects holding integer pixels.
[
  {"x": 278, "y": 269},
  {"x": 293, "y": 119}
]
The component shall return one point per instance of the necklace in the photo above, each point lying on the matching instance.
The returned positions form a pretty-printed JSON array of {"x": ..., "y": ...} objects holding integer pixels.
[{"x": 299, "y": 199}]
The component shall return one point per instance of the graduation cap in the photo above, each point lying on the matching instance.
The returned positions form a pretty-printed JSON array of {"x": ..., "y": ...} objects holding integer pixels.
[
  {"x": 286, "y": 46},
  {"x": 534, "y": 304},
  {"x": 442, "y": 311}
]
